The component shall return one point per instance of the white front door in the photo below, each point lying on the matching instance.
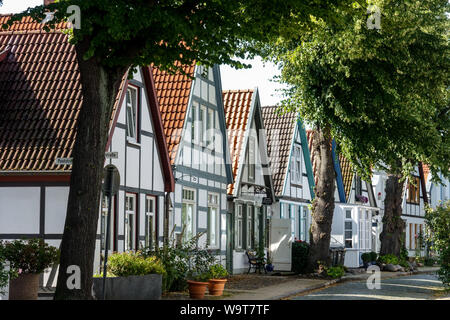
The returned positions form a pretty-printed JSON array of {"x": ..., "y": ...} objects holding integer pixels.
[{"x": 280, "y": 244}]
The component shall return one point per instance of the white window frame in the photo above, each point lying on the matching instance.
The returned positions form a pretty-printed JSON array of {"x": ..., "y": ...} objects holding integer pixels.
[
  {"x": 251, "y": 159},
  {"x": 250, "y": 227},
  {"x": 151, "y": 238},
  {"x": 202, "y": 126},
  {"x": 239, "y": 236},
  {"x": 351, "y": 230},
  {"x": 130, "y": 215},
  {"x": 132, "y": 110},
  {"x": 188, "y": 203},
  {"x": 194, "y": 125},
  {"x": 210, "y": 128},
  {"x": 213, "y": 212}
]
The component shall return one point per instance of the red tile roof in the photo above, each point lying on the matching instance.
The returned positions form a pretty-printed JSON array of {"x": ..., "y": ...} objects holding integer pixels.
[
  {"x": 280, "y": 129},
  {"x": 237, "y": 104},
  {"x": 173, "y": 92},
  {"x": 40, "y": 96}
]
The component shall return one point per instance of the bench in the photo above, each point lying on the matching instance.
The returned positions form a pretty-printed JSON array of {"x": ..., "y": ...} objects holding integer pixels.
[{"x": 255, "y": 262}]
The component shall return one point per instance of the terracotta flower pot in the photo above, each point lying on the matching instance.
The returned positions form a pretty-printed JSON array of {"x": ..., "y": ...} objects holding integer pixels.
[
  {"x": 216, "y": 286},
  {"x": 197, "y": 289},
  {"x": 25, "y": 287}
]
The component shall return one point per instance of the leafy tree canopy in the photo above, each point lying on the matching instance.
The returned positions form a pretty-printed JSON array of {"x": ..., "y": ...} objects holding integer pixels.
[
  {"x": 141, "y": 32},
  {"x": 384, "y": 92}
]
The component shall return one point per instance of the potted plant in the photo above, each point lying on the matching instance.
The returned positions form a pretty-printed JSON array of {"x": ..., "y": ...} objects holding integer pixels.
[
  {"x": 131, "y": 276},
  {"x": 28, "y": 258},
  {"x": 197, "y": 284},
  {"x": 217, "y": 275}
]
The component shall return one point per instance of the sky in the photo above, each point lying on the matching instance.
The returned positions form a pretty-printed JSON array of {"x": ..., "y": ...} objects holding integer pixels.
[{"x": 260, "y": 75}]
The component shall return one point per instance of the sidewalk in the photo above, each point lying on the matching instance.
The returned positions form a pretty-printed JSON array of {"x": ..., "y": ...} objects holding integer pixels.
[{"x": 301, "y": 285}]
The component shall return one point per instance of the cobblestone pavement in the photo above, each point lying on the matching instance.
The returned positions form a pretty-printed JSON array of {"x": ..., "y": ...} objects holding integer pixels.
[{"x": 416, "y": 287}]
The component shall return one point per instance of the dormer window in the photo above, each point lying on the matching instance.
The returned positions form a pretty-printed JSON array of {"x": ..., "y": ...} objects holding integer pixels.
[{"x": 132, "y": 114}]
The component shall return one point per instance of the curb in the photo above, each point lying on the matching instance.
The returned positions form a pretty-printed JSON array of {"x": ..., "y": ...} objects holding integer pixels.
[{"x": 348, "y": 279}]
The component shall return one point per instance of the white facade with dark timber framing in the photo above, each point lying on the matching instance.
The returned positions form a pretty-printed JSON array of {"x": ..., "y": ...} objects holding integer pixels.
[
  {"x": 37, "y": 133},
  {"x": 251, "y": 196},
  {"x": 293, "y": 181},
  {"x": 194, "y": 121}
]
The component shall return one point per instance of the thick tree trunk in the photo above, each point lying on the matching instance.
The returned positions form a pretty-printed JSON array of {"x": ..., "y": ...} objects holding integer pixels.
[
  {"x": 99, "y": 89},
  {"x": 323, "y": 204},
  {"x": 392, "y": 235}
]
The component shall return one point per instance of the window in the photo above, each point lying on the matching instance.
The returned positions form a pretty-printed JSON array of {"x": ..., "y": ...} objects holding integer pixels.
[
  {"x": 302, "y": 211},
  {"x": 256, "y": 227},
  {"x": 187, "y": 214},
  {"x": 239, "y": 227},
  {"x": 213, "y": 220},
  {"x": 250, "y": 227},
  {"x": 410, "y": 236},
  {"x": 150, "y": 222},
  {"x": 194, "y": 122},
  {"x": 130, "y": 221},
  {"x": 358, "y": 187},
  {"x": 210, "y": 129},
  {"x": 202, "y": 125},
  {"x": 296, "y": 165},
  {"x": 413, "y": 192},
  {"x": 292, "y": 217},
  {"x": 132, "y": 113},
  {"x": 103, "y": 223},
  {"x": 251, "y": 158},
  {"x": 348, "y": 231}
]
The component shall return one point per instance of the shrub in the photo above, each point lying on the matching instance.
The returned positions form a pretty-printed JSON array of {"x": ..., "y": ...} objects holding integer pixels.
[
  {"x": 373, "y": 256},
  {"x": 4, "y": 275},
  {"x": 428, "y": 261},
  {"x": 133, "y": 264},
  {"x": 28, "y": 256},
  {"x": 217, "y": 271},
  {"x": 366, "y": 257},
  {"x": 389, "y": 259},
  {"x": 335, "y": 272},
  {"x": 438, "y": 222},
  {"x": 182, "y": 262},
  {"x": 300, "y": 253}
]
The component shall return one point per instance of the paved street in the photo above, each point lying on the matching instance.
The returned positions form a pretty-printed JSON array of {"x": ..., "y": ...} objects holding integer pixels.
[{"x": 416, "y": 287}]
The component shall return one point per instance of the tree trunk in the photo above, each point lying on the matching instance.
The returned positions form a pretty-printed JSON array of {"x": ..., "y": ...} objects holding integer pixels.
[
  {"x": 323, "y": 204},
  {"x": 99, "y": 89},
  {"x": 392, "y": 235}
]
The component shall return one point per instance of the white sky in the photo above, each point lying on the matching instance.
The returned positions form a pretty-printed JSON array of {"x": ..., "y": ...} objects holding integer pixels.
[{"x": 260, "y": 75}]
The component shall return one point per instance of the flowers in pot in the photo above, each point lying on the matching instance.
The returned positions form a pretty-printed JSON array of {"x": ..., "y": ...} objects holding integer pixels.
[
  {"x": 217, "y": 275},
  {"x": 28, "y": 258}
]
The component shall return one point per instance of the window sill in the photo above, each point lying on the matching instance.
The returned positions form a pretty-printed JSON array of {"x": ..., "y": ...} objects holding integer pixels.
[{"x": 133, "y": 143}]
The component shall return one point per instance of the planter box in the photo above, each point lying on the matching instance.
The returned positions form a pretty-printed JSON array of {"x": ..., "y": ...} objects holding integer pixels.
[
  {"x": 148, "y": 287},
  {"x": 25, "y": 287}
]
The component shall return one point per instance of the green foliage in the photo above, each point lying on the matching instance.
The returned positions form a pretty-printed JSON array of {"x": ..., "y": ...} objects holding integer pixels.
[
  {"x": 4, "y": 275},
  {"x": 217, "y": 271},
  {"x": 335, "y": 272},
  {"x": 300, "y": 253},
  {"x": 438, "y": 223},
  {"x": 131, "y": 33},
  {"x": 383, "y": 93},
  {"x": 28, "y": 256},
  {"x": 183, "y": 262},
  {"x": 389, "y": 259},
  {"x": 366, "y": 257},
  {"x": 373, "y": 256},
  {"x": 134, "y": 264}
]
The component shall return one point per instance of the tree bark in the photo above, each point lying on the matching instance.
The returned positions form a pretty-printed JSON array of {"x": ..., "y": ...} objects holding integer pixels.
[
  {"x": 323, "y": 204},
  {"x": 99, "y": 89},
  {"x": 392, "y": 235}
]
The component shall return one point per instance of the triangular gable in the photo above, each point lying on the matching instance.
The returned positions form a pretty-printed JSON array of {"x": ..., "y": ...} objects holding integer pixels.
[{"x": 241, "y": 107}]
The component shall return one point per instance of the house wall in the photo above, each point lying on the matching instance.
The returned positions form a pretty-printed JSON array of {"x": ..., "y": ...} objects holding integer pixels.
[
  {"x": 246, "y": 191},
  {"x": 201, "y": 167},
  {"x": 37, "y": 209}
]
